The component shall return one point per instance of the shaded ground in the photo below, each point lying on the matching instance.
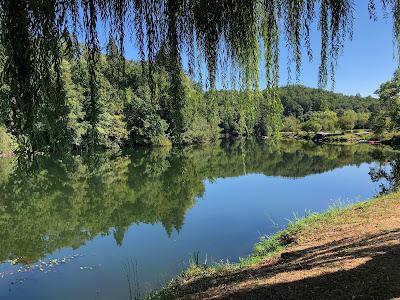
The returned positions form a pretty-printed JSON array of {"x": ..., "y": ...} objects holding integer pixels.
[{"x": 356, "y": 256}]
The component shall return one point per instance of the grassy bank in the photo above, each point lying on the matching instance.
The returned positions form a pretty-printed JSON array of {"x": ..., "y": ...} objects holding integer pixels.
[{"x": 269, "y": 251}]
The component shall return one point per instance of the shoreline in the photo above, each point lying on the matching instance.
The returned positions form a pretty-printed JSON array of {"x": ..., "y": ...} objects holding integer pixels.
[
  {"x": 334, "y": 138},
  {"x": 277, "y": 257},
  {"x": 358, "y": 136}
]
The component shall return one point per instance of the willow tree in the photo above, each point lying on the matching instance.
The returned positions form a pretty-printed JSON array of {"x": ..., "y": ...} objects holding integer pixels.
[{"x": 225, "y": 35}]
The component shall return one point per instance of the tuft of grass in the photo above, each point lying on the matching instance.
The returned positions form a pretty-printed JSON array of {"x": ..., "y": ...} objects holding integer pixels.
[
  {"x": 131, "y": 272},
  {"x": 194, "y": 261},
  {"x": 271, "y": 246}
]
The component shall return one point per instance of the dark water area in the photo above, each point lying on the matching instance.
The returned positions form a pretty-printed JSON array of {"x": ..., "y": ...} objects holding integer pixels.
[{"x": 74, "y": 227}]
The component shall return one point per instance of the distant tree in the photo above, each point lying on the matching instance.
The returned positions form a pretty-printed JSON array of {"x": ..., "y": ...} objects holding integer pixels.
[
  {"x": 389, "y": 96},
  {"x": 299, "y": 101},
  {"x": 380, "y": 122},
  {"x": 347, "y": 120},
  {"x": 363, "y": 120},
  {"x": 311, "y": 126},
  {"x": 328, "y": 120},
  {"x": 291, "y": 124}
]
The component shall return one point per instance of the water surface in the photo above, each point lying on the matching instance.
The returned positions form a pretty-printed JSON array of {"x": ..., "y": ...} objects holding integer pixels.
[{"x": 74, "y": 227}]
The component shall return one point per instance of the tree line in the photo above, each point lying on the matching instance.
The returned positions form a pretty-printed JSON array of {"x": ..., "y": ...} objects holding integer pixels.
[
  {"x": 132, "y": 110},
  {"x": 224, "y": 36},
  {"x": 312, "y": 110}
]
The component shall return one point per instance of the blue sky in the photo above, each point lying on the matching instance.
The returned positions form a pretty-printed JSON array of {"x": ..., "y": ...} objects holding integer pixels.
[{"x": 366, "y": 62}]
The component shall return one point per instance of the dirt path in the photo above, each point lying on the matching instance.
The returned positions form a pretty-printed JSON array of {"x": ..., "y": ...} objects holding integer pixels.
[{"x": 358, "y": 257}]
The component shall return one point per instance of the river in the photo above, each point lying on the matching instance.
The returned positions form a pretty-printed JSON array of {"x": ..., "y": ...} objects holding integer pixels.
[{"x": 80, "y": 226}]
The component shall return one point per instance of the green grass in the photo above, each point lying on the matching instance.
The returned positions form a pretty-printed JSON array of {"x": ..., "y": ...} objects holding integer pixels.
[{"x": 270, "y": 246}]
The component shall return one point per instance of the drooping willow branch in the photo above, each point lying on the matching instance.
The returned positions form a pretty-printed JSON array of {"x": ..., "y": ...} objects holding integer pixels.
[{"x": 34, "y": 34}]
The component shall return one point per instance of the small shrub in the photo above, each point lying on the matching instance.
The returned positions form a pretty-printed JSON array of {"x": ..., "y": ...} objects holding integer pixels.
[{"x": 268, "y": 246}]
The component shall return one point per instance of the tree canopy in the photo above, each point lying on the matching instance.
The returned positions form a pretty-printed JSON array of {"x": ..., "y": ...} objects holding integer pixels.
[
  {"x": 225, "y": 34},
  {"x": 389, "y": 96}
]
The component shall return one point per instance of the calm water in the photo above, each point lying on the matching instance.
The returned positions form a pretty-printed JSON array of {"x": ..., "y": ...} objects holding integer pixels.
[{"x": 73, "y": 227}]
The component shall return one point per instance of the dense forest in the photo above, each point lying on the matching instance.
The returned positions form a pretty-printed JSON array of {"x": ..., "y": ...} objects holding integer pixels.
[
  {"x": 127, "y": 111},
  {"x": 227, "y": 37},
  {"x": 313, "y": 110},
  {"x": 131, "y": 111},
  {"x": 299, "y": 101}
]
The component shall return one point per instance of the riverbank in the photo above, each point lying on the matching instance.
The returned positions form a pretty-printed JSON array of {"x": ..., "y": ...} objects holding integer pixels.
[
  {"x": 344, "y": 253},
  {"x": 359, "y": 136}
]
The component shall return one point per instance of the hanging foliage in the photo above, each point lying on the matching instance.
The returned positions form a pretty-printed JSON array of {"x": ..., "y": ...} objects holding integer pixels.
[{"x": 224, "y": 34}]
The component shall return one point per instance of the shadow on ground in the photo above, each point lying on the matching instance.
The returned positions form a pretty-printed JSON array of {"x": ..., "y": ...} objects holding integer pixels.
[{"x": 367, "y": 268}]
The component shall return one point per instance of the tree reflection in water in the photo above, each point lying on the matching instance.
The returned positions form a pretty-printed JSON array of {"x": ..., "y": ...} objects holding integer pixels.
[
  {"x": 54, "y": 202},
  {"x": 388, "y": 174}
]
